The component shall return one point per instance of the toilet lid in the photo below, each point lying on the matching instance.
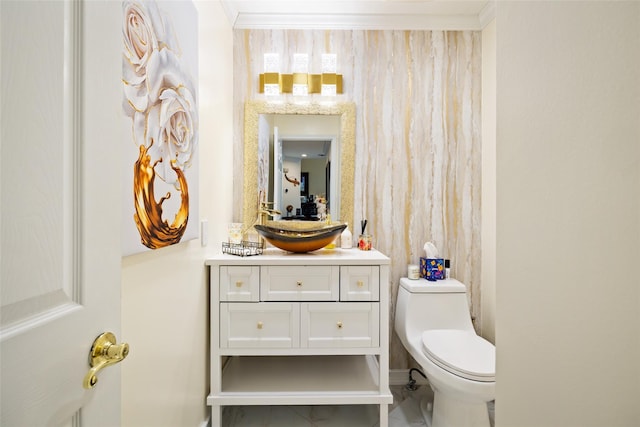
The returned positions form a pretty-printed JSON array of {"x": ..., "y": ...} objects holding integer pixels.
[{"x": 462, "y": 353}]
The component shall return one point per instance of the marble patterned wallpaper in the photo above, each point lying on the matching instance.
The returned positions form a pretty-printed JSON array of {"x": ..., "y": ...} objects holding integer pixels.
[{"x": 418, "y": 145}]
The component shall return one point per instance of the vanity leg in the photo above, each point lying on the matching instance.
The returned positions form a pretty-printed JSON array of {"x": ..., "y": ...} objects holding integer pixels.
[
  {"x": 216, "y": 416},
  {"x": 384, "y": 415}
]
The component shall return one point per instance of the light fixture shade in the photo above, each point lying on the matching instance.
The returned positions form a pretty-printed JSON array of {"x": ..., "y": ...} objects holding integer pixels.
[
  {"x": 271, "y": 74},
  {"x": 329, "y": 63},
  {"x": 300, "y": 74},
  {"x": 329, "y": 80}
]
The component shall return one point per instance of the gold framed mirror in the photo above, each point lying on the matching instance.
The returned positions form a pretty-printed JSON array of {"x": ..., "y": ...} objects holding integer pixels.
[{"x": 252, "y": 168}]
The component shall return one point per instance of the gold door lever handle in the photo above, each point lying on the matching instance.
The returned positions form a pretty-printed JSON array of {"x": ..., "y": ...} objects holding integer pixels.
[{"x": 104, "y": 352}]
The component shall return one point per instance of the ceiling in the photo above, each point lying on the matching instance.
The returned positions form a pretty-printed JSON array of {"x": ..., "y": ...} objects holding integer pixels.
[
  {"x": 306, "y": 148},
  {"x": 360, "y": 14}
]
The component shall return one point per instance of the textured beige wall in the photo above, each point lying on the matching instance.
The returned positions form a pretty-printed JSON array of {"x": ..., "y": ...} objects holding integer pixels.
[{"x": 418, "y": 145}]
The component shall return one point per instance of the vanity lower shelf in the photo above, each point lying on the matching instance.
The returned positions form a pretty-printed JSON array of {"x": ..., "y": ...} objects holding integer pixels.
[{"x": 300, "y": 380}]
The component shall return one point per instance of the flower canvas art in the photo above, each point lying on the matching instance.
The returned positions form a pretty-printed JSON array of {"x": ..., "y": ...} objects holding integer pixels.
[{"x": 159, "y": 80}]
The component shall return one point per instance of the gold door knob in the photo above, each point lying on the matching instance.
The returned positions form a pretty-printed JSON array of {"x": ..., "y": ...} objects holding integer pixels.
[
  {"x": 360, "y": 283},
  {"x": 260, "y": 325},
  {"x": 104, "y": 352},
  {"x": 238, "y": 284},
  {"x": 339, "y": 324}
]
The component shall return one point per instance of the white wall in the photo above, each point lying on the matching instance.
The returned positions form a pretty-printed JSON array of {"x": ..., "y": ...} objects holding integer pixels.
[
  {"x": 488, "y": 213},
  {"x": 568, "y": 214},
  {"x": 165, "y": 379}
]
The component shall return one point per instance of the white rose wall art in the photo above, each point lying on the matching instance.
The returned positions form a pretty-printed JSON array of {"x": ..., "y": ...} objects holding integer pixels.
[{"x": 159, "y": 80}]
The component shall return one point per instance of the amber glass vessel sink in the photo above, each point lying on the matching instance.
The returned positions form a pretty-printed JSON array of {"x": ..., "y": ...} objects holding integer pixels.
[{"x": 299, "y": 236}]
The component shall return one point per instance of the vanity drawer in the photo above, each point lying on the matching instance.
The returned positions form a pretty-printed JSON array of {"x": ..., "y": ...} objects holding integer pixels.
[
  {"x": 261, "y": 325},
  {"x": 339, "y": 325},
  {"x": 300, "y": 283},
  {"x": 360, "y": 283},
  {"x": 239, "y": 283}
]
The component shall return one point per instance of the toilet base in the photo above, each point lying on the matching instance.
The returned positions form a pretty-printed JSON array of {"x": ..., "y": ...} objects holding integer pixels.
[
  {"x": 446, "y": 412},
  {"x": 426, "y": 409}
]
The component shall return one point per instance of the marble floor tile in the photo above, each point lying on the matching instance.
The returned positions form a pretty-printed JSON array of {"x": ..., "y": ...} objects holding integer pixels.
[{"x": 406, "y": 412}]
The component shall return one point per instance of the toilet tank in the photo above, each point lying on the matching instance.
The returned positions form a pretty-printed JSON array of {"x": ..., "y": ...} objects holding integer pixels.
[{"x": 423, "y": 305}]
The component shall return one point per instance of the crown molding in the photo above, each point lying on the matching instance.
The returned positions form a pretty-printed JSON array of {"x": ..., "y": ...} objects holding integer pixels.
[
  {"x": 487, "y": 14},
  {"x": 359, "y": 14}
]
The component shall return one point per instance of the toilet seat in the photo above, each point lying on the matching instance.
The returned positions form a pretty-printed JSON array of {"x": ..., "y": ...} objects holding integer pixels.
[{"x": 462, "y": 353}]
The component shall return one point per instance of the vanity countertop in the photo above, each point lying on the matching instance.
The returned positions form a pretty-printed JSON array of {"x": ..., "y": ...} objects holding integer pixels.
[{"x": 275, "y": 256}]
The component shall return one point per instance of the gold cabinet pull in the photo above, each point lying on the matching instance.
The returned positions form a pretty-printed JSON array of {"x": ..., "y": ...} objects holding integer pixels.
[
  {"x": 260, "y": 325},
  {"x": 239, "y": 284},
  {"x": 299, "y": 283},
  {"x": 104, "y": 352},
  {"x": 360, "y": 283},
  {"x": 339, "y": 324}
]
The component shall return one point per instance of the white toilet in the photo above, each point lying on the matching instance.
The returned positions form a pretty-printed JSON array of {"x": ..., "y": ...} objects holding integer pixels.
[{"x": 433, "y": 322}]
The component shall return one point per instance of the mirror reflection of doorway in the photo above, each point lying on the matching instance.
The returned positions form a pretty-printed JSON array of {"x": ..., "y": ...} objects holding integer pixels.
[{"x": 306, "y": 164}]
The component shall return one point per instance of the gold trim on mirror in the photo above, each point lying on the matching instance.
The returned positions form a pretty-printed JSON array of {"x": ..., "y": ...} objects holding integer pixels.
[{"x": 252, "y": 111}]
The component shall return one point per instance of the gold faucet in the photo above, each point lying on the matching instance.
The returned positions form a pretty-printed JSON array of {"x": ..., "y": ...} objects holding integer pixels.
[{"x": 264, "y": 212}]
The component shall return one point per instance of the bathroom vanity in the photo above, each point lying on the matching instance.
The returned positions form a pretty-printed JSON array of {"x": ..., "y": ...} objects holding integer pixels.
[{"x": 300, "y": 329}]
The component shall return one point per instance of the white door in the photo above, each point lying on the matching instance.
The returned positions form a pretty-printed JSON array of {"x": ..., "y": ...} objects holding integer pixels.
[
  {"x": 277, "y": 173},
  {"x": 60, "y": 209}
]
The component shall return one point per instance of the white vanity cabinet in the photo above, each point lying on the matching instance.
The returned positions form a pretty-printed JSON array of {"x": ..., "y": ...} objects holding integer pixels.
[{"x": 300, "y": 329}]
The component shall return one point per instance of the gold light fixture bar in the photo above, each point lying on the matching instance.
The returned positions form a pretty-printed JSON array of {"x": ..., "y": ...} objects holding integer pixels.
[{"x": 314, "y": 81}]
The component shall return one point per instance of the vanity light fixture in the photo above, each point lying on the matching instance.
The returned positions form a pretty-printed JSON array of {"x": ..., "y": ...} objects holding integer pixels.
[{"x": 300, "y": 83}]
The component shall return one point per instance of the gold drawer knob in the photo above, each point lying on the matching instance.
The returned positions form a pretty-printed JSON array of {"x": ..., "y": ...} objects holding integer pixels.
[
  {"x": 260, "y": 324},
  {"x": 239, "y": 284},
  {"x": 339, "y": 324},
  {"x": 360, "y": 283},
  {"x": 299, "y": 283}
]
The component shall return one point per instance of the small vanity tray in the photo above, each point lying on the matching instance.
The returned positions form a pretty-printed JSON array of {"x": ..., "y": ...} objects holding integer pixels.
[{"x": 242, "y": 249}]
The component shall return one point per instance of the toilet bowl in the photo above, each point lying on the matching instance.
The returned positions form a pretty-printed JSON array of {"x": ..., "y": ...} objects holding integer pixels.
[{"x": 434, "y": 324}]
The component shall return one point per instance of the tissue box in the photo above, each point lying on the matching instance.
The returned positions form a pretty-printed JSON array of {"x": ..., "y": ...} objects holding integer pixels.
[{"x": 432, "y": 268}]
